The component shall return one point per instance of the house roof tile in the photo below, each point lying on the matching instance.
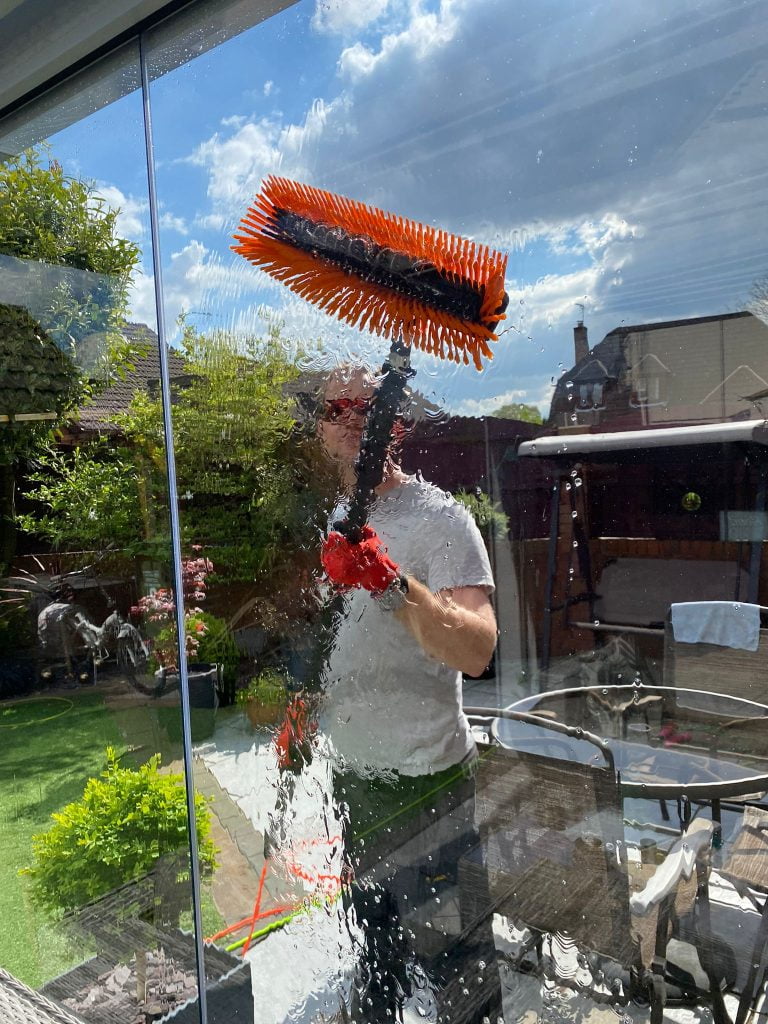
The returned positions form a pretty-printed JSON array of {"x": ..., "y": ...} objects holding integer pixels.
[{"x": 98, "y": 416}]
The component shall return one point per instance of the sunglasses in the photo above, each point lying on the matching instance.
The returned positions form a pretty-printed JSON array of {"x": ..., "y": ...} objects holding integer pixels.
[{"x": 341, "y": 408}]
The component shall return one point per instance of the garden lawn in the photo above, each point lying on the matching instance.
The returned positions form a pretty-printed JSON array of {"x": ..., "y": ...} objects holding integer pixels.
[{"x": 49, "y": 748}]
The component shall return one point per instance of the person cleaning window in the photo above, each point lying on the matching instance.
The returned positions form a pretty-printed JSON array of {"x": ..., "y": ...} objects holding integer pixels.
[{"x": 417, "y": 615}]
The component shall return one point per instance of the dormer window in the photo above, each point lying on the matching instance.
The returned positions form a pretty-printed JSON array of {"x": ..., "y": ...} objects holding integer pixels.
[
  {"x": 649, "y": 383},
  {"x": 591, "y": 395}
]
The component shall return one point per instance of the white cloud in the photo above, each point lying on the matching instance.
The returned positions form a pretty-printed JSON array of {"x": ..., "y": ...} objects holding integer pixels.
[
  {"x": 485, "y": 406},
  {"x": 211, "y": 221},
  {"x": 551, "y": 298},
  {"x": 343, "y": 17},
  {"x": 425, "y": 32},
  {"x": 269, "y": 85},
  {"x": 141, "y": 300},
  {"x": 171, "y": 222},
  {"x": 591, "y": 236},
  {"x": 195, "y": 279},
  {"x": 238, "y": 160},
  {"x": 133, "y": 219},
  {"x": 357, "y": 60}
]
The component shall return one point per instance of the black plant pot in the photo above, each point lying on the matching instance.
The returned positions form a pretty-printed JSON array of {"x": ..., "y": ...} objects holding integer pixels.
[{"x": 204, "y": 681}]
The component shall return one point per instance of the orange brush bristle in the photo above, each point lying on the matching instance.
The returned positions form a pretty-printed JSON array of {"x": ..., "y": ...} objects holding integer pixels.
[{"x": 374, "y": 270}]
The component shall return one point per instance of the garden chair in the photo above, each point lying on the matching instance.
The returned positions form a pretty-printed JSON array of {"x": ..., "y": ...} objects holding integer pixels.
[
  {"x": 716, "y": 669},
  {"x": 746, "y": 868},
  {"x": 19, "y": 1004},
  {"x": 555, "y": 860}
]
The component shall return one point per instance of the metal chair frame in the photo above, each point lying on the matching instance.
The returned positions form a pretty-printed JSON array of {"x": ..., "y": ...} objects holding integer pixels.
[{"x": 651, "y": 981}]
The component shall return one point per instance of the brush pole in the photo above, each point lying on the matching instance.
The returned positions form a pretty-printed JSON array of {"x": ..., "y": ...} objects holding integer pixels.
[{"x": 377, "y": 438}]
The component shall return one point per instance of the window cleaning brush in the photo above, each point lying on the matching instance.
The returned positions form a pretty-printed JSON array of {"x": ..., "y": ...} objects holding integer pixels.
[
  {"x": 378, "y": 271},
  {"x": 414, "y": 284}
]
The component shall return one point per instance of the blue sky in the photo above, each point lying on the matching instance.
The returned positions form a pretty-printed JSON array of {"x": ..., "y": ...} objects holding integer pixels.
[{"x": 615, "y": 150}]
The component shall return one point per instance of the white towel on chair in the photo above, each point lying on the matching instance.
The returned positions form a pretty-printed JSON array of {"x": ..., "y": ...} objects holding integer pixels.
[{"x": 726, "y": 623}]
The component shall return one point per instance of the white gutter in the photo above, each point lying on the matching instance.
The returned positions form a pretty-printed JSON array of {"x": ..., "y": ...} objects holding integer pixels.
[{"x": 755, "y": 431}]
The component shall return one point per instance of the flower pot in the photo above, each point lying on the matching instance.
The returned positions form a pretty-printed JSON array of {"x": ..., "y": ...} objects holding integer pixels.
[
  {"x": 203, "y": 678},
  {"x": 260, "y": 713}
]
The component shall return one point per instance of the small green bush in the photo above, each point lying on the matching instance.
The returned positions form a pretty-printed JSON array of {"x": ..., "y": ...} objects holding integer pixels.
[
  {"x": 85, "y": 499},
  {"x": 269, "y": 687},
  {"x": 217, "y": 645},
  {"x": 483, "y": 511},
  {"x": 126, "y": 822},
  {"x": 209, "y": 639}
]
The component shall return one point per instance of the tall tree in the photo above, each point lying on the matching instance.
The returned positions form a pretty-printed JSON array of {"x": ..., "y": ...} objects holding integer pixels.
[
  {"x": 242, "y": 471},
  {"x": 68, "y": 273}
]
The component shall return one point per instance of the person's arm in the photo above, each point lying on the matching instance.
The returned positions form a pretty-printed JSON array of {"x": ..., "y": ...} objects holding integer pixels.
[{"x": 457, "y": 626}]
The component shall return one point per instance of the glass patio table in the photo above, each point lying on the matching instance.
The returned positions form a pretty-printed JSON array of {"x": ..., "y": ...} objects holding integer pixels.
[{"x": 665, "y": 743}]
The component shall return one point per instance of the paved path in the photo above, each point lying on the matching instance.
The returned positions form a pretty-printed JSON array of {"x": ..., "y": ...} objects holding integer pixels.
[{"x": 241, "y": 857}]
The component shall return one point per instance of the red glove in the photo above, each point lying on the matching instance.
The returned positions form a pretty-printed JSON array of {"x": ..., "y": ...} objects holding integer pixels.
[
  {"x": 365, "y": 564},
  {"x": 293, "y": 742}
]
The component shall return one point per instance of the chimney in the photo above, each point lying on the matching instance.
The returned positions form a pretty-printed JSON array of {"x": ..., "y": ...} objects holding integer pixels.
[{"x": 580, "y": 343}]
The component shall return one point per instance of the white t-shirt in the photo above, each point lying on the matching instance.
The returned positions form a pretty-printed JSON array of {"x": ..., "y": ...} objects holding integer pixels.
[{"x": 388, "y": 704}]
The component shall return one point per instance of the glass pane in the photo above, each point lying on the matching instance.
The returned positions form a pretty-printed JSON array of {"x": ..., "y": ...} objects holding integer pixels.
[
  {"x": 382, "y": 856},
  {"x": 94, "y": 894}
]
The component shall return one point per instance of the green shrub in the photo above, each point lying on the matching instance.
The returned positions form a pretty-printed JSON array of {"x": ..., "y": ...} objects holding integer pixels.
[
  {"x": 126, "y": 822},
  {"x": 269, "y": 687},
  {"x": 483, "y": 511},
  {"x": 209, "y": 639},
  {"x": 218, "y": 645},
  {"x": 85, "y": 499}
]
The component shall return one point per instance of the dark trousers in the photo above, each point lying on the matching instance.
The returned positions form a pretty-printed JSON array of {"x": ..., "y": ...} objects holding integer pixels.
[{"x": 403, "y": 843}]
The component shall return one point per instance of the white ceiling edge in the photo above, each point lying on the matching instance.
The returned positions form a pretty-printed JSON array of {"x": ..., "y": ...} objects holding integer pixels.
[{"x": 41, "y": 40}]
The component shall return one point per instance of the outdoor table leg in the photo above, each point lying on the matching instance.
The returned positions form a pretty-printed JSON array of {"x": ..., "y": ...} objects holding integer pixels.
[
  {"x": 705, "y": 948},
  {"x": 748, "y": 994},
  {"x": 717, "y": 818},
  {"x": 659, "y": 962}
]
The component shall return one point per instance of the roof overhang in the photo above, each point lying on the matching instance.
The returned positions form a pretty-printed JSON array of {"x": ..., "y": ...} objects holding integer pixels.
[
  {"x": 567, "y": 445},
  {"x": 87, "y": 48}
]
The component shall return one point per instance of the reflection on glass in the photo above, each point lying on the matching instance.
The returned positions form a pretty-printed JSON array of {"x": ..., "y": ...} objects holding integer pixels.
[
  {"x": 601, "y": 502},
  {"x": 95, "y": 892},
  {"x": 620, "y": 178}
]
